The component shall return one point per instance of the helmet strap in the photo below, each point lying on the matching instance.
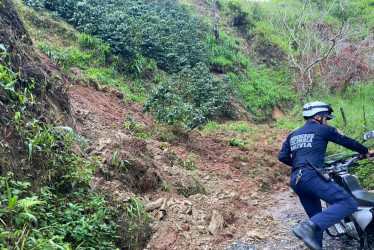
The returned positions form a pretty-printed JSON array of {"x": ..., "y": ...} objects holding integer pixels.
[{"x": 320, "y": 121}]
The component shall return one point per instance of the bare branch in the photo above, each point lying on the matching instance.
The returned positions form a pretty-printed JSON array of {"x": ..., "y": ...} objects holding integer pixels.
[
  {"x": 306, "y": 35},
  {"x": 333, "y": 40}
]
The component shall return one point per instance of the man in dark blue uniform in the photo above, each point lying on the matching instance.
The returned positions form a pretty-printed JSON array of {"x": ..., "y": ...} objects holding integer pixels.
[{"x": 305, "y": 148}]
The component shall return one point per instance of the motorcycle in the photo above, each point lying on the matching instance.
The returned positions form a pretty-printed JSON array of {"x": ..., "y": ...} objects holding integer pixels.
[{"x": 359, "y": 225}]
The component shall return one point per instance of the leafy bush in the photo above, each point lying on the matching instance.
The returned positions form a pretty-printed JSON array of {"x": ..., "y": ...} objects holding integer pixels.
[
  {"x": 240, "y": 17},
  {"x": 191, "y": 97},
  {"x": 36, "y": 4},
  {"x": 160, "y": 30},
  {"x": 190, "y": 162},
  {"x": 136, "y": 129},
  {"x": 237, "y": 142},
  {"x": 53, "y": 220},
  {"x": 56, "y": 209},
  {"x": 64, "y": 213}
]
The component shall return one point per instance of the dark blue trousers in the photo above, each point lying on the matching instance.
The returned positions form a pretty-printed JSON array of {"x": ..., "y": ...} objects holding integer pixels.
[{"x": 311, "y": 189}]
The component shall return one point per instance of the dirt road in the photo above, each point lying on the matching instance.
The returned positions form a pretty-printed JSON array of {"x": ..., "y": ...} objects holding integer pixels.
[
  {"x": 202, "y": 192},
  {"x": 286, "y": 214}
]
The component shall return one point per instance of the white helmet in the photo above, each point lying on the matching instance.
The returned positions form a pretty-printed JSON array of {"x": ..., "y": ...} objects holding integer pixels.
[{"x": 313, "y": 108}]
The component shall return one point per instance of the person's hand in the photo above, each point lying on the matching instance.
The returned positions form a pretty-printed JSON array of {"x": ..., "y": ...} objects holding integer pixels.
[{"x": 370, "y": 152}]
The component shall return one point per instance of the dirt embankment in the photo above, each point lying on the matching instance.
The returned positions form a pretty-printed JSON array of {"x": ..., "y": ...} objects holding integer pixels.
[
  {"x": 242, "y": 198},
  {"x": 233, "y": 186},
  {"x": 45, "y": 93}
]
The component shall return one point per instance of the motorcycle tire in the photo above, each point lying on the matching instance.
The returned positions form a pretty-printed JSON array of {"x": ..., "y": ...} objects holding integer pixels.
[{"x": 369, "y": 238}]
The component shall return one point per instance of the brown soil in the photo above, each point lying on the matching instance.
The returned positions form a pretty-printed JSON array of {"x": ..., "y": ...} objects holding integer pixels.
[{"x": 238, "y": 183}]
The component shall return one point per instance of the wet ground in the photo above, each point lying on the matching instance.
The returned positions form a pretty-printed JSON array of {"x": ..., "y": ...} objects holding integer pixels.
[{"x": 286, "y": 214}]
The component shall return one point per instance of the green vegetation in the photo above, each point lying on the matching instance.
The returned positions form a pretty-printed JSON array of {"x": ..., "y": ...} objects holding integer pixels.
[
  {"x": 261, "y": 91},
  {"x": 53, "y": 207},
  {"x": 65, "y": 58},
  {"x": 136, "y": 129},
  {"x": 58, "y": 220},
  {"x": 162, "y": 54},
  {"x": 161, "y": 30},
  {"x": 224, "y": 55},
  {"x": 253, "y": 54},
  {"x": 165, "y": 186},
  {"x": 237, "y": 142},
  {"x": 365, "y": 174},
  {"x": 192, "y": 97},
  {"x": 158, "y": 36},
  {"x": 190, "y": 162},
  {"x": 240, "y": 127},
  {"x": 192, "y": 187},
  {"x": 11, "y": 90},
  {"x": 356, "y": 104}
]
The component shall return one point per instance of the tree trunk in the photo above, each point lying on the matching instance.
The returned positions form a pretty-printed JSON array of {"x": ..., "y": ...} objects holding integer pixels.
[{"x": 216, "y": 32}]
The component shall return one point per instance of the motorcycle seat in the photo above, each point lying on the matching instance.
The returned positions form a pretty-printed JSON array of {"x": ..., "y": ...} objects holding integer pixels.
[{"x": 362, "y": 197}]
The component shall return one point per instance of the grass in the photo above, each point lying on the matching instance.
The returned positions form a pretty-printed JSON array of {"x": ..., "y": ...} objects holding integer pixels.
[
  {"x": 354, "y": 102},
  {"x": 71, "y": 49},
  {"x": 191, "y": 187},
  {"x": 45, "y": 27},
  {"x": 236, "y": 127}
]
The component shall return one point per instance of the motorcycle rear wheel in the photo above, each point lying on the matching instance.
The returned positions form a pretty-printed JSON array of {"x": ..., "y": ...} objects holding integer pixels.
[{"x": 369, "y": 238}]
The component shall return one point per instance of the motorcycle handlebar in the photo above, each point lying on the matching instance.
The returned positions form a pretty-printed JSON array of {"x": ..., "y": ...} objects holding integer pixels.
[
  {"x": 352, "y": 162},
  {"x": 359, "y": 156},
  {"x": 350, "y": 157}
]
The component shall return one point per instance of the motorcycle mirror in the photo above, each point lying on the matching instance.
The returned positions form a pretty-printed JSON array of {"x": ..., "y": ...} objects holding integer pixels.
[{"x": 369, "y": 135}]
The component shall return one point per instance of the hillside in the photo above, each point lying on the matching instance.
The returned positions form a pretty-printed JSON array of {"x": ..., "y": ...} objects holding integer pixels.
[{"x": 137, "y": 129}]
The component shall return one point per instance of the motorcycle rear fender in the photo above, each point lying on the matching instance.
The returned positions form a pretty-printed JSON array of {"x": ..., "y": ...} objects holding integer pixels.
[{"x": 363, "y": 216}]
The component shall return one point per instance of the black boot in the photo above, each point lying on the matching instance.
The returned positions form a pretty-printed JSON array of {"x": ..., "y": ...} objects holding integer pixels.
[{"x": 306, "y": 231}]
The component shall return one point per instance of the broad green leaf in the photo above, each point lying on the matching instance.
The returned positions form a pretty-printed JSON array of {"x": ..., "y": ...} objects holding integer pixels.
[
  {"x": 30, "y": 216},
  {"x": 12, "y": 203},
  {"x": 3, "y": 74}
]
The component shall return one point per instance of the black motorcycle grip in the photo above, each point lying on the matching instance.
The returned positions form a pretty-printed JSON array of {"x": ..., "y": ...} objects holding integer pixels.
[
  {"x": 364, "y": 156},
  {"x": 361, "y": 157}
]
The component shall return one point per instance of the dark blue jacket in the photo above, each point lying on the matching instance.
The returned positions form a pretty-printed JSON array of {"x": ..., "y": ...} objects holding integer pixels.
[{"x": 310, "y": 142}]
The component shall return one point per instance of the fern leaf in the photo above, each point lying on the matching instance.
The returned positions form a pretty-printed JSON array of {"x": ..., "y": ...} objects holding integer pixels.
[{"x": 26, "y": 203}]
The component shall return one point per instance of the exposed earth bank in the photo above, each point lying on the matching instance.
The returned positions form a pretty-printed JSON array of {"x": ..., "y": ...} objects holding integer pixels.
[{"x": 201, "y": 192}]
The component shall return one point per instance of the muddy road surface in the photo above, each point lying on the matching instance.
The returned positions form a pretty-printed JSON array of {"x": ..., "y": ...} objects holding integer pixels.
[{"x": 203, "y": 191}]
